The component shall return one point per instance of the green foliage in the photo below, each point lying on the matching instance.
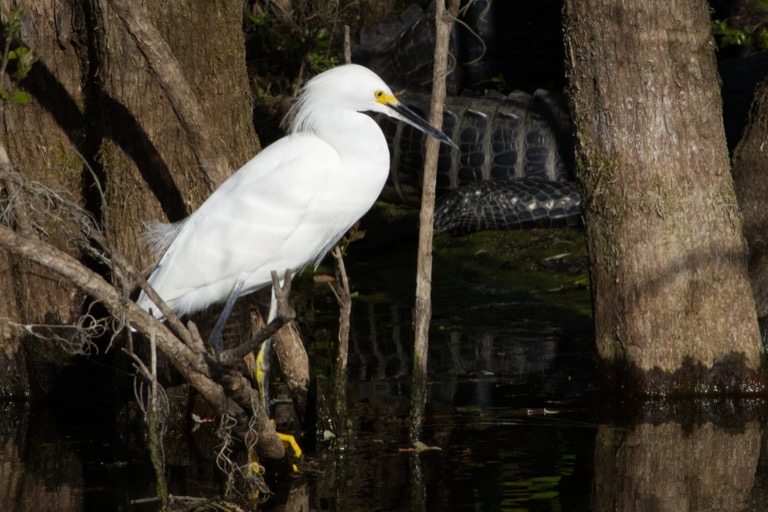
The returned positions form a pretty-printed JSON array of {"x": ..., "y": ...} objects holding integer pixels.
[
  {"x": 257, "y": 20},
  {"x": 740, "y": 36},
  {"x": 287, "y": 43},
  {"x": 500, "y": 84},
  {"x": 293, "y": 41},
  {"x": 321, "y": 58},
  {"x": 20, "y": 57},
  {"x": 745, "y": 28}
]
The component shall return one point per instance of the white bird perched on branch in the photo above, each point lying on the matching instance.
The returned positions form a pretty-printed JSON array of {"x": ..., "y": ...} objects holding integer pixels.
[{"x": 290, "y": 204}]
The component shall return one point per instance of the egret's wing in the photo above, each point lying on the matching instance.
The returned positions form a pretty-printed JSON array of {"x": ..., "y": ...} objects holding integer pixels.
[{"x": 243, "y": 224}]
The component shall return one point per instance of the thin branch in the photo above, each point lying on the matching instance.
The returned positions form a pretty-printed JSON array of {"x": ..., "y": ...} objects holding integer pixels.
[
  {"x": 193, "y": 366},
  {"x": 187, "y": 361},
  {"x": 423, "y": 305},
  {"x": 344, "y": 297},
  {"x": 285, "y": 314}
]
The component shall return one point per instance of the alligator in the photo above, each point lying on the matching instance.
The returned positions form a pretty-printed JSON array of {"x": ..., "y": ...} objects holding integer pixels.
[
  {"x": 516, "y": 159},
  {"x": 515, "y": 164},
  {"x": 514, "y": 168}
]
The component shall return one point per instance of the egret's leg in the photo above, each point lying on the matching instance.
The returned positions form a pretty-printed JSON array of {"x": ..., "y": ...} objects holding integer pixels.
[
  {"x": 263, "y": 358},
  {"x": 262, "y": 379},
  {"x": 215, "y": 338}
]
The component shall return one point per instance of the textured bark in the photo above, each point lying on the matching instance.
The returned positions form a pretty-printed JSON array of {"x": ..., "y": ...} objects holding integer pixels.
[
  {"x": 41, "y": 138},
  {"x": 149, "y": 168},
  {"x": 294, "y": 365},
  {"x": 750, "y": 174},
  {"x": 422, "y": 309},
  {"x": 95, "y": 94},
  {"x": 672, "y": 304},
  {"x": 661, "y": 467}
]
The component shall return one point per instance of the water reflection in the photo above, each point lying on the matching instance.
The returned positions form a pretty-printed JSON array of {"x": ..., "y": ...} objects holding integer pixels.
[
  {"x": 507, "y": 407},
  {"x": 511, "y": 408},
  {"x": 666, "y": 467},
  {"x": 29, "y": 480}
]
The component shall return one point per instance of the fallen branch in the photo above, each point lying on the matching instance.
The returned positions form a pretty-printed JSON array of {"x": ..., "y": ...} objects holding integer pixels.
[{"x": 193, "y": 365}]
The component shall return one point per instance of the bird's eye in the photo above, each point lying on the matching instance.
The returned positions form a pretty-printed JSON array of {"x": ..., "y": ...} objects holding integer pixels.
[{"x": 382, "y": 97}]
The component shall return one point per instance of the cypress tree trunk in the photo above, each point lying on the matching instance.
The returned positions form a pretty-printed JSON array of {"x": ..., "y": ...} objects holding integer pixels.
[
  {"x": 41, "y": 138},
  {"x": 672, "y": 303},
  {"x": 97, "y": 104},
  {"x": 148, "y": 168},
  {"x": 750, "y": 174}
]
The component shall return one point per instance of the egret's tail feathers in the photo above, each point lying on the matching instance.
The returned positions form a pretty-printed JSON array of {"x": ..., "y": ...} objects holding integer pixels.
[{"x": 159, "y": 236}]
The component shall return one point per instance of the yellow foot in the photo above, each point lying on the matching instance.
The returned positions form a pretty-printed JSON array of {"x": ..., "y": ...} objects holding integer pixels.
[{"x": 290, "y": 441}]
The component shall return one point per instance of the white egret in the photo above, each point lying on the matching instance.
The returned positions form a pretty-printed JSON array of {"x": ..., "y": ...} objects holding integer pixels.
[{"x": 288, "y": 206}]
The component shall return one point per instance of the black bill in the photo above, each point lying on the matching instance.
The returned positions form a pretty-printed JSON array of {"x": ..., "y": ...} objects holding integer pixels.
[{"x": 415, "y": 120}]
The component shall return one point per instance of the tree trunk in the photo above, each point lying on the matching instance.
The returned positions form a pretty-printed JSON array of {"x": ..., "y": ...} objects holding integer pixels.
[
  {"x": 672, "y": 304},
  {"x": 42, "y": 139},
  {"x": 94, "y": 93},
  {"x": 148, "y": 168},
  {"x": 750, "y": 174}
]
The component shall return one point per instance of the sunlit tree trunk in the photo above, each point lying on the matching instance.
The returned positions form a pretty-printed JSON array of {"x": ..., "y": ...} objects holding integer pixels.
[
  {"x": 42, "y": 138},
  {"x": 143, "y": 154},
  {"x": 750, "y": 174},
  {"x": 97, "y": 104},
  {"x": 672, "y": 304}
]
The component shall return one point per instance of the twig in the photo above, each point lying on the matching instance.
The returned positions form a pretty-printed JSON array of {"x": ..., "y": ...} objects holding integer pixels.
[
  {"x": 347, "y": 46},
  {"x": 343, "y": 296},
  {"x": 155, "y": 414},
  {"x": 285, "y": 314},
  {"x": 423, "y": 306},
  {"x": 188, "y": 362},
  {"x": 155, "y": 425}
]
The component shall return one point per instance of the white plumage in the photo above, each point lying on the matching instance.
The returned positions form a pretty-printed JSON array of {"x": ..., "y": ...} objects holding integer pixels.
[{"x": 289, "y": 205}]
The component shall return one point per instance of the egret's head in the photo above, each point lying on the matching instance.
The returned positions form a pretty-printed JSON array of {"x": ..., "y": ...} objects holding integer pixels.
[{"x": 354, "y": 87}]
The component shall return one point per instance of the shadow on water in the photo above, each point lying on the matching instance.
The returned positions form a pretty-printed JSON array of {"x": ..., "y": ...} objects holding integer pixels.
[{"x": 513, "y": 419}]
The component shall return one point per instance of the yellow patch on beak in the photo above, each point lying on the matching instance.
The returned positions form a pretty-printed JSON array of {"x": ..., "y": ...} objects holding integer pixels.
[{"x": 385, "y": 99}]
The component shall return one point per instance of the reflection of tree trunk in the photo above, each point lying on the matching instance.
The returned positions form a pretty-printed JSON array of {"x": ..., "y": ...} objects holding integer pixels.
[
  {"x": 666, "y": 468},
  {"x": 36, "y": 476},
  {"x": 670, "y": 287},
  {"x": 759, "y": 495}
]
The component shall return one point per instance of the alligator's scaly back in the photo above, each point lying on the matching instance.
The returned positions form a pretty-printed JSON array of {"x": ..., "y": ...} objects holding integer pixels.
[{"x": 520, "y": 136}]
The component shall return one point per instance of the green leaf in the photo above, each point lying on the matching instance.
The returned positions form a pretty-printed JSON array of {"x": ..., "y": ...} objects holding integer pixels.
[
  {"x": 548, "y": 495},
  {"x": 20, "y": 97}
]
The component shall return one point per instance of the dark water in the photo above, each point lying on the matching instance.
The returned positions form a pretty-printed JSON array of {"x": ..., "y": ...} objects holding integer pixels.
[{"x": 512, "y": 411}]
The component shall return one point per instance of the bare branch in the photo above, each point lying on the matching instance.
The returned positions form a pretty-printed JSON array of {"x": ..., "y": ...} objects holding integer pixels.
[
  {"x": 285, "y": 314},
  {"x": 422, "y": 311},
  {"x": 189, "y": 363},
  {"x": 193, "y": 366}
]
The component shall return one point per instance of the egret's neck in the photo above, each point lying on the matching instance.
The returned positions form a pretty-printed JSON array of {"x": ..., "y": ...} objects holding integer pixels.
[{"x": 353, "y": 135}]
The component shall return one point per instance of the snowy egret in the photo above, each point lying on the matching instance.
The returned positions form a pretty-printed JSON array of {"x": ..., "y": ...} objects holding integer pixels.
[{"x": 290, "y": 204}]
